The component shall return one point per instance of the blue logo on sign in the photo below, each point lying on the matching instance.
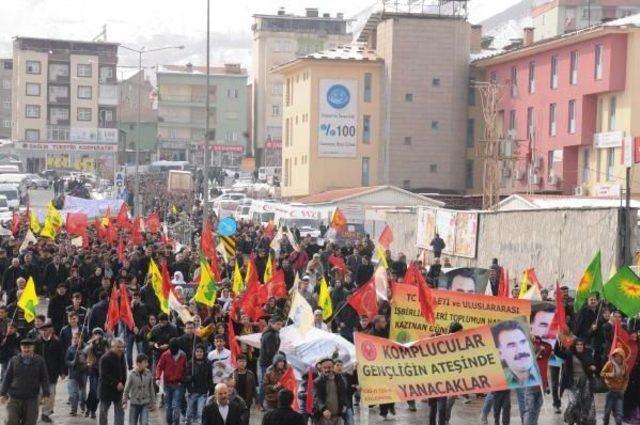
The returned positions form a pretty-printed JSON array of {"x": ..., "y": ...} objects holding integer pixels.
[{"x": 338, "y": 96}]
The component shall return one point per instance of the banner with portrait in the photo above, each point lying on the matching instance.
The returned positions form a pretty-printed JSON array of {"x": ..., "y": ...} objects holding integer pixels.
[
  {"x": 464, "y": 279},
  {"x": 480, "y": 360},
  {"x": 470, "y": 310},
  {"x": 458, "y": 230}
]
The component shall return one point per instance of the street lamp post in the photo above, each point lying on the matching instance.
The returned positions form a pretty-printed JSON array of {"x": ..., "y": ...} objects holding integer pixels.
[
  {"x": 136, "y": 189},
  {"x": 205, "y": 165}
]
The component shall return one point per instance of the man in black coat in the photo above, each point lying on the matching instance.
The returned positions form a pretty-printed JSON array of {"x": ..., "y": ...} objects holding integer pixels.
[
  {"x": 98, "y": 313},
  {"x": 113, "y": 376},
  {"x": 13, "y": 272},
  {"x": 585, "y": 321},
  {"x": 329, "y": 394},
  {"x": 219, "y": 411},
  {"x": 50, "y": 348},
  {"x": 269, "y": 346},
  {"x": 57, "y": 307},
  {"x": 283, "y": 414},
  {"x": 54, "y": 273}
]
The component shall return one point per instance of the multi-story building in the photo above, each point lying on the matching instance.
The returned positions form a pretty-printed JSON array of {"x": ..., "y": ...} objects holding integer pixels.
[
  {"x": 556, "y": 17},
  {"x": 332, "y": 114},
  {"x": 182, "y": 113},
  {"x": 64, "y": 104},
  {"x": 131, "y": 131},
  {"x": 6, "y": 70},
  {"x": 278, "y": 39},
  {"x": 572, "y": 104}
]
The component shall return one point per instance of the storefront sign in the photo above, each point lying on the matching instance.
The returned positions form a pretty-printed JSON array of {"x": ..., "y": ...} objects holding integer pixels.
[
  {"x": 227, "y": 148},
  {"x": 607, "y": 190},
  {"x": 609, "y": 139},
  {"x": 108, "y": 135},
  {"x": 67, "y": 147},
  {"x": 337, "y": 130},
  {"x": 83, "y": 134}
]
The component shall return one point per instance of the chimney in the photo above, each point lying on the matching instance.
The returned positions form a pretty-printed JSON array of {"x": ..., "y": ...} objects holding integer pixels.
[
  {"x": 340, "y": 15},
  {"x": 189, "y": 67},
  {"x": 311, "y": 12},
  {"x": 527, "y": 36},
  {"x": 281, "y": 11},
  {"x": 476, "y": 38}
]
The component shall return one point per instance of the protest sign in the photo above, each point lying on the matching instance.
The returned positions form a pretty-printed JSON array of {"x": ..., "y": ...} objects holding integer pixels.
[
  {"x": 479, "y": 360},
  {"x": 470, "y": 310}
]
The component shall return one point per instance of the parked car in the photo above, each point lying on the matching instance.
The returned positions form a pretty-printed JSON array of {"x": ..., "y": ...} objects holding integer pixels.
[
  {"x": 36, "y": 182},
  {"x": 5, "y": 213}
]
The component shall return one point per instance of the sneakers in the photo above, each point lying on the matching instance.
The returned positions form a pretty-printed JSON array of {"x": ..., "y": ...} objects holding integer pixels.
[
  {"x": 73, "y": 413},
  {"x": 46, "y": 419},
  {"x": 558, "y": 410}
]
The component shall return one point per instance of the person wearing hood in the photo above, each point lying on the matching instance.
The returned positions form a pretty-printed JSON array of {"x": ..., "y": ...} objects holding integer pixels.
[
  {"x": 172, "y": 368},
  {"x": 272, "y": 381},
  {"x": 616, "y": 376}
]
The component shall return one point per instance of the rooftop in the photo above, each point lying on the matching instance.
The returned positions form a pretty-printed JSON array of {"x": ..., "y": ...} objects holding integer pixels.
[
  {"x": 337, "y": 195},
  {"x": 346, "y": 53},
  {"x": 229, "y": 69},
  {"x": 522, "y": 201}
]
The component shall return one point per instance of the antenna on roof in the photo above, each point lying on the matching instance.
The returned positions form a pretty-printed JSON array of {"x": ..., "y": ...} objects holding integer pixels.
[{"x": 102, "y": 36}]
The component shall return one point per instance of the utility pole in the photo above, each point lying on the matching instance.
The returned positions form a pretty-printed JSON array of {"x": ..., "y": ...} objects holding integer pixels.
[{"x": 205, "y": 165}]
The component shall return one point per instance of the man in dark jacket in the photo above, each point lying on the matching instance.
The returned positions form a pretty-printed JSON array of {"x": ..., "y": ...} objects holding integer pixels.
[
  {"x": 98, "y": 313},
  {"x": 329, "y": 395},
  {"x": 269, "y": 346},
  {"x": 283, "y": 414},
  {"x": 198, "y": 379},
  {"x": 13, "y": 272},
  {"x": 437, "y": 244},
  {"x": 219, "y": 411},
  {"x": 54, "y": 273},
  {"x": 113, "y": 376},
  {"x": 584, "y": 322},
  {"x": 50, "y": 348},
  {"x": 57, "y": 306},
  {"x": 364, "y": 272},
  {"x": 26, "y": 376},
  {"x": 140, "y": 320},
  {"x": 9, "y": 346}
]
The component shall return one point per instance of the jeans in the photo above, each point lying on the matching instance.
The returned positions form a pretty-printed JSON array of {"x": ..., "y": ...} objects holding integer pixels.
[
  {"x": 138, "y": 414},
  {"x": 487, "y": 406},
  {"x": 554, "y": 373},
  {"x": 118, "y": 413},
  {"x": 522, "y": 405},
  {"x": 23, "y": 412},
  {"x": 47, "y": 408},
  {"x": 77, "y": 393},
  {"x": 437, "y": 411},
  {"x": 613, "y": 402},
  {"x": 533, "y": 405},
  {"x": 348, "y": 416},
  {"x": 195, "y": 405},
  {"x": 502, "y": 407},
  {"x": 262, "y": 370},
  {"x": 130, "y": 341},
  {"x": 173, "y": 394}
]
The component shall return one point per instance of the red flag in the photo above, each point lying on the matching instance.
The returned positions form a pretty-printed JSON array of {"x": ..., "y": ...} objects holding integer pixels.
[
  {"x": 121, "y": 256},
  {"x": 338, "y": 220},
  {"x": 411, "y": 276},
  {"x": 364, "y": 300},
  {"x": 234, "y": 347},
  {"x": 126, "y": 314},
  {"x": 532, "y": 277},
  {"x": 559, "y": 321},
  {"x": 275, "y": 287},
  {"x": 622, "y": 339},
  {"x": 111, "y": 234},
  {"x": 386, "y": 237},
  {"x": 503, "y": 283},
  {"x": 214, "y": 264},
  {"x": 337, "y": 262},
  {"x": 136, "y": 234},
  {"x": 85, "y": 239},
  {"x": 288, "y": 381},
  {"x": 15, "y": 223},
  {"x": 122, "y": 220},
  {"x": 252, "y": 272},
  {"x": 152, "y": 222},
  {"x": 426, "y": 300},
  {"x": 269, "y": 230},
  {"x": 207, "y": 244},
  {"x": 253, "y": 299},
  {"x": 76, "y": 223},
  {"x": 100, "y": 230},
  {"x": 113, "y": 312},
  {"x": 166, "y": 280},
  {"x": 308, "y": 403}
]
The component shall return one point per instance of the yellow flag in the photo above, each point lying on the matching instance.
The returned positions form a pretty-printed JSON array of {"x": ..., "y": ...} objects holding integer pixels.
[
  {"x": 238, "y": 282},
  {"x": 174, "y": 210},
  {"x": 324, "y": 300},
  {"x": 29, "y": 301},
  {"x": 54, "y": 215},
  {"x": 34, "y": 224},
  {"x": 156, "y": 283},
  {"x": 268, "y": 270},
  {"x": 48, "y": 230},
  {"x": 381, "y": 257},
  {"x": 524, "y": 285}
]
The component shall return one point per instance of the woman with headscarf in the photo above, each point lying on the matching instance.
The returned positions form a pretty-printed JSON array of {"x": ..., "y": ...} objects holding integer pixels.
[{"x": 577, "y": 372}]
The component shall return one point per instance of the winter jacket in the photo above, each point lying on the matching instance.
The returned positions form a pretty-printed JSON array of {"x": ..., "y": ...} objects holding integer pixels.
[
  {"x": 246, "y": 384},
  {"x": 139, "y": 389},
  {"x": 198, "y": 377},
  {"x": 617, "y": 383},
  {"x": 320, "y": 394},
  {"x": 53, "y": 354},
  {"x": 113, "y": 371},
  {"x": 76, "y": 362},
  {"x": 9, "y": 346},
  {"x": 586, "y": 358},
  {"x": 281, "y": 416},
  {"x": 269, "y": 346},
  {"x": 174, "y": 370},
  {"x": 56, "y": 310},
  {"x": 24, "y": 379},
  {"x": 271, "y": 379}
]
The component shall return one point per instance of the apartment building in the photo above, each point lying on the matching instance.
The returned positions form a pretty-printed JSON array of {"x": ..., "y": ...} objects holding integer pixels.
[
  {"x": 6, "y": 71},
  {"x": 573, "y": 103},
  {"x": 556, "y": 17},
  {"x": 278, "y": 39},
  {"x": 332, "y": 121},
  {"x": 131, "y": 131},
  {"x": 182, "y": 113},
  {"x": 64, "y": 104}
]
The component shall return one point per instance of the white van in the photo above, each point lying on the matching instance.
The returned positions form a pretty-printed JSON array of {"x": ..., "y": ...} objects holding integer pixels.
[
  {"x": 264, "y": 212},
  {"x": 9, "y": 168},
  {"x": 305, "y": 219},
  {"x": 11, "y": 192},
  {"x": 17, "y": 179}
]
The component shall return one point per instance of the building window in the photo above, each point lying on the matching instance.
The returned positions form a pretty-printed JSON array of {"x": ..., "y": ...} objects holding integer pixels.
[
  {"x": 276, "y": 89},
  {"x": 367, "y": 86},
  {"x": 32, "y": 111},
  {"x": 572, "y": 116},
  {"x": 552, "y": 119},
  {"x": 573, "y": 68},
  {"x": 408, "y": 97},
  {"x": 366, "y": 129},
  {"x": 514, "y": 81},
  {"x": 512, "y": 119},
  {"x": 435, "y": 82},
  {"x": 31, "y": 135},
  {"x": 287, "y": 93},
  {"x": 84, "y": 114},
  {"x": 6, "y": 84},
  {"x": 286, "y": 132},
  {"x": 471, "y": 124},
  {"x": 232, "y": 93},
  {"x": 493, "y": 76},
  {"x": 530, "y": 118},
  {"x": 275, "y": 110},
  {"x": 550, "y": 163},
  {"x": 434, "y": 125},
  {"x": 106, "y": 73},
  {"x": 106, "y": 117},
  {"x": 84, "y": 70},
  {"x": 6, "y": 123},
  {"x": 33, "y": 67},
  {"x": 610, "y": 161},
  {"x": 585, "y": 165},
  {"x": 33, "y": 89},
  {"x": 286, "y": 172},
  {"x": 406, "y": 184},
  {"x": 471, "y": 95},
  {"x": 612, "y": 113},
  {"x": 598, "y": 163},
  {"x": 407, "y": 140},
  {"x": 365, "y": 171},
  {"x": 599, "y": 59},
  {"x": 84, "y": 92},
  {"x": 433, "y": 168},
  {"x": 532, "y": 77},
  {"x": 554, "y": 72},
  {"x": 468, "y": 174}
]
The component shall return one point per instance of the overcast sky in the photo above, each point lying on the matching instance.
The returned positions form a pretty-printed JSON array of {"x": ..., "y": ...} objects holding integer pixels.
[{"x": 157, "y": 23}]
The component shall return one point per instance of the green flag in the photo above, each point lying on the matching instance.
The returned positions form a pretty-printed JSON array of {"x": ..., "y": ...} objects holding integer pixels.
[
  {"x": 590, "y": 283},
  {"x": 623, "y": 291},
  {"x": 206, "y": 293}
]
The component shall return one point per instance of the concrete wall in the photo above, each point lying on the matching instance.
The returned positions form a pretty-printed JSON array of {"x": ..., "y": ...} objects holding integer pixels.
[{"x": 558, "y": 243}]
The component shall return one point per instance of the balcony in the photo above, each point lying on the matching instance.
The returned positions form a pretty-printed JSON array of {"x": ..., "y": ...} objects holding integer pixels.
[
  {"x": 58, "y": 133},
  {"x": 198, "y": 100},
  {"x": 59, "y": 100},
  {"x": 59, "y": 79},
  {"x": 108, "y": 95}
]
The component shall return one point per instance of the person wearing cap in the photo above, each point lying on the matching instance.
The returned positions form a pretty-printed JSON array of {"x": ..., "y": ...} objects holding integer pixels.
[
  {"x": 50, "y": 348},
  {"x": 26, "y": 377},
  {"x": 329, "y": 395}
]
